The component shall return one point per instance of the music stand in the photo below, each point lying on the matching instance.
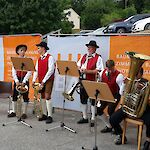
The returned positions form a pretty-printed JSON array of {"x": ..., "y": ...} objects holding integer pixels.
[
  {"x": 22, "y": 64},
  {"x": 97, "y": 91},
  {"x": 66, "y": 68}
]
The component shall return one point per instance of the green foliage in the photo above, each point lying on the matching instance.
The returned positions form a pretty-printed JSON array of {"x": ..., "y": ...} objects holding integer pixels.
[
  {"x": 78, "y": 5},
  {"x": 44, "y": 16},
  {"x": 117, "y": 15},
  {"x": 30, "y": 16},
  {"x": 94, "y": 11}
]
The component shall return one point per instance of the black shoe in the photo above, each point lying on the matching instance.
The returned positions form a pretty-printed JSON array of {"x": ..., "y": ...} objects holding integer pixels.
[
  {"x": 49, "y": 120},
  {"x": 106, "y": 130},
  {"x": 92, "y": 123},
  {"x": 82, "y": 120},
  {"x": 12, "y": 114},
  {"x": 44, "y": 117},
  {"x": 146, "y": 145},
  {"x": 118, "y": 140},
  {"x": 24, "y": 116}
]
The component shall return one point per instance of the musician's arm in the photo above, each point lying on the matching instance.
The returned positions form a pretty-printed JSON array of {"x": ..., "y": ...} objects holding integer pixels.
[
  {"x": 27, "y": 76},
  {"x": 14, "y": 75},
  {"x": 35, "y": 73}
]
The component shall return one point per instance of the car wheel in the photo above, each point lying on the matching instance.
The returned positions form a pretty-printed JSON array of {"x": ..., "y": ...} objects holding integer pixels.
[
  {"x": 147, "y": 26},
  {"x": 121, "y": 30}
]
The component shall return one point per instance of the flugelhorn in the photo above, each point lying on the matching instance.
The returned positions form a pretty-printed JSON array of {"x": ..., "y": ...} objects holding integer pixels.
[
  {"x": 22, "y": 88},
  {"x": 37, "y": 100},
  {"x": 69, "y": 95}
]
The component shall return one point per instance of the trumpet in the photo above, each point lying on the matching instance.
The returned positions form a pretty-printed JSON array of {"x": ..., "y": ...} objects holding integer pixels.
[{"x": 37, "y": 100}]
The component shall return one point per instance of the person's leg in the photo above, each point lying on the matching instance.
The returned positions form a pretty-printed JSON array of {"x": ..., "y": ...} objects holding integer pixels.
[
  {"x": 25, "y": 103},
  {"x": 83, "y": 99},
  {"x": 92, "y": 112},
  {"x": 14, "y": 102},
  {"x": 43, "y": 102},
  {"x": 48, "y": 91},
  {"x": 103, "y": 117},
  {"x": 115, "y": 120}
]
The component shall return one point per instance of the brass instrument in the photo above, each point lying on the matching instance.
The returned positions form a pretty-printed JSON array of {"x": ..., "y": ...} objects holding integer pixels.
[
  {"x": 21, "y": 88},
  {"x": 68, "y": 95},
  {"x": 76, "y": 87},
  {"x": 19, "y": 106},
  {"x": 136, "y": 93},
  {"x": 37, "y": 100}
]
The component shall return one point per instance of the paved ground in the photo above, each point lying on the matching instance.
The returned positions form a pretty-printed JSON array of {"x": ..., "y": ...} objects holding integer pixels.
[{"x": 20, "y": 137}]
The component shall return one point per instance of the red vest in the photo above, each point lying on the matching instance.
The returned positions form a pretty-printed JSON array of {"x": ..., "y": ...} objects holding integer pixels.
[
  {"x": 91, "y": 65},
  {"x": 43, "y": 68},
  {"x": 21, "y": 74},
  {"x": 111, "y": 81}
]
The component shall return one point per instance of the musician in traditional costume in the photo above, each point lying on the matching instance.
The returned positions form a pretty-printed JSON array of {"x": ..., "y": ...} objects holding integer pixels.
[
  {"x": 114, "y": 79},
  {"x": 119, "y": 115},
  {"x": 89, "y": 65},
  {"x": 45, "y": 68},
  {"x": 19, "y": 78}
]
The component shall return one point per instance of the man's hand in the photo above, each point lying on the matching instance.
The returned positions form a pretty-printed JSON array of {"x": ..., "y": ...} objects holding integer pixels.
[
  {"x": 33, "y": 84},
  {"x": 42, "y": 85}
]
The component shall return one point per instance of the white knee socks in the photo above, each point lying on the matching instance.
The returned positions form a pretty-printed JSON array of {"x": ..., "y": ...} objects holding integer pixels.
[
  {"x": 84, "y": 110},
  {"x": 14, "y": 106},
  {"x": 93, "y": 112},
  {"x": 105, "y": 119},
  {"x": 24, "y": 107},
  {"x": 49, "y": 107},
  {"x": 43, "y": 101}
]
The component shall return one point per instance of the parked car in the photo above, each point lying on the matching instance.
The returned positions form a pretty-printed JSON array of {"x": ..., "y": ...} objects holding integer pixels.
[
  {"x": 126, "y": 25},
  {"x": 98, "y": 31},
  {"x": 141, "y": 25}
]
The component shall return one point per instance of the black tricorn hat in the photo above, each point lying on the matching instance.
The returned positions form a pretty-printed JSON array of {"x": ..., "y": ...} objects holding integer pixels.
[
  {"x": 43, "y": 44},
  {"x": 92, "y": 43},
  {"x": 20, "y": 46}
]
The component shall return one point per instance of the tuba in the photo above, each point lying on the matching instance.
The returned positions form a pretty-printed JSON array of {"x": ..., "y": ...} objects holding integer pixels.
[
  {"x": 37, "y": 100},
  {"x": 136, "y": 93}
]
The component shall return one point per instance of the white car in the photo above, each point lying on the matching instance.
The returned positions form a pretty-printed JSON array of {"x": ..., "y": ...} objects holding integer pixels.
[
  {"x": 141, "y": 25},
  {"x": 98, "y": 31}
]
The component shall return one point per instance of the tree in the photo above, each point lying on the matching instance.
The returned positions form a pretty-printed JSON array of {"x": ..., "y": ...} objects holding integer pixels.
[
  {"x": 94, "y": 11},
  {"x": 139, "y": 5},
  {"x": 30, "y": 16},
  {"x": 78, "y": 5}
]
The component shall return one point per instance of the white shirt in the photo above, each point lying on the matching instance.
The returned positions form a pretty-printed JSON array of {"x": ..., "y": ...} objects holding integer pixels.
[
  {"x": 119, "y": 81},
  {"x": 25, "y": 79},
  {"x": 51, "y": 68},
  {"x": 99, "y": 63}
]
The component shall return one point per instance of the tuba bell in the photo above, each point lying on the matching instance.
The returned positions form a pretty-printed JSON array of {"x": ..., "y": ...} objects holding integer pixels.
[{"x": 136, "y": 93}]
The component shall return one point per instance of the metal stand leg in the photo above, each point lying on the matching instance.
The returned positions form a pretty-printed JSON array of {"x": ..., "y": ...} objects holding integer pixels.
[
  {"x": 20, "y": 121},
  {"x": 62, "y": 124}
]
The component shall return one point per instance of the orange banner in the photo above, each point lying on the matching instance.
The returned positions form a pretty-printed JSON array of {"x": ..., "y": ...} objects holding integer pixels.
[
  {"x": 10, "y": 43},
  {"x": 120, "y": 44}
]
